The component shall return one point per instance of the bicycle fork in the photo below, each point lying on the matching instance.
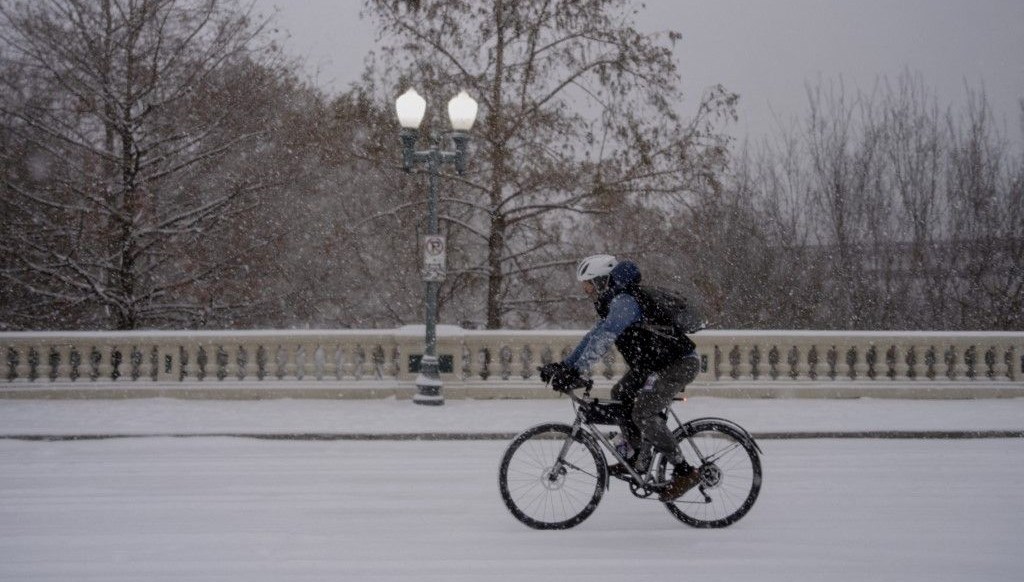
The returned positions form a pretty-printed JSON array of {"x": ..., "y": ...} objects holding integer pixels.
[{"x": 558, "y": 470}]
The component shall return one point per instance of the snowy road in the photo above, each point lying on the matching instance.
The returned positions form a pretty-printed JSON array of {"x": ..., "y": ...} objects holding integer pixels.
[{"x": 251, "y": 510}]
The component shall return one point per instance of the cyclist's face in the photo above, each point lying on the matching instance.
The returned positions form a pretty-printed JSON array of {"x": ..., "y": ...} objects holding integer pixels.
[{"x": 590, "y": 289}]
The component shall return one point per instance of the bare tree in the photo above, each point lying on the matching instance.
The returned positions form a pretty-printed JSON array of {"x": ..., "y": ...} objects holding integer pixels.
[
  {"x": 577, "y": 119},
  {"x": 106, "y": 100},
  {"x": 880, "y": 211},
  {"x": 985, "y": 192}
]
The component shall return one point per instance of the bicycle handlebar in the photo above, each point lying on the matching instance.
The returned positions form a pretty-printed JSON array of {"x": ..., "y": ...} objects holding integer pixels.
[{"x": 585, "y": 384}]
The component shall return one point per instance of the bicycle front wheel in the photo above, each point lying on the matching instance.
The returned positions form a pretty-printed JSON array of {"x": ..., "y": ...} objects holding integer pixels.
[
  {"x": 550, "y": 480},
  {"x": 730, "y": 471}
]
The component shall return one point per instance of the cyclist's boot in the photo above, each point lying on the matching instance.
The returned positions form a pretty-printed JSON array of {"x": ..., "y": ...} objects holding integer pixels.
[{"x": 684, "y": 478}]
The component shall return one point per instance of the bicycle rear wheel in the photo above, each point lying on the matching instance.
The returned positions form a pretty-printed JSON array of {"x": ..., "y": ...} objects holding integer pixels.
[
  {"x": 730, "y": 470},
  {"x": 549, "y": 480}
]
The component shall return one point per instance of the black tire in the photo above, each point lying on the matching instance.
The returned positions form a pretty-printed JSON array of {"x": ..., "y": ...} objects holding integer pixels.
[
  {"x": 730, "y": 468},
  {"x": 543, "y": 493}
]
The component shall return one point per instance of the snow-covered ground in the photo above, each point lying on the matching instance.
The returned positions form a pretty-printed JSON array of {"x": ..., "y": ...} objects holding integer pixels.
[{"x": 218, "y": 508}]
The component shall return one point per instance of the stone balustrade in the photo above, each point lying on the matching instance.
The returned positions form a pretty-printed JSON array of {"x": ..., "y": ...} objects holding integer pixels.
[{"x": 501, "y": 362}]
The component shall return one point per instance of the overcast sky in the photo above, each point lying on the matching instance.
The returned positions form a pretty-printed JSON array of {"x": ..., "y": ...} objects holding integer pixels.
[{"x": 767, "y": 51}]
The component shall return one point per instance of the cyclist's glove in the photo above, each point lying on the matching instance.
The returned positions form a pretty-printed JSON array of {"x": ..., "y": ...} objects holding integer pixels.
[
  {"x": 549, "y": 371},
  {"x": 565, "y": 379}
]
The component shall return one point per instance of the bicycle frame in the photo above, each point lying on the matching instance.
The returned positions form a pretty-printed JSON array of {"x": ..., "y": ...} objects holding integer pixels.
[{"x": 591, "y": 429}]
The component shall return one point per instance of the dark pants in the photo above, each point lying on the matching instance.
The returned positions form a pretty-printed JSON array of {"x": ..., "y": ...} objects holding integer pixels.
[{"x": 644, "y": 397}]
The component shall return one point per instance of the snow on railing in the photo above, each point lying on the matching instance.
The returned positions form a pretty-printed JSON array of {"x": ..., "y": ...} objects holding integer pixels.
[{"x": 494, "y": 356}]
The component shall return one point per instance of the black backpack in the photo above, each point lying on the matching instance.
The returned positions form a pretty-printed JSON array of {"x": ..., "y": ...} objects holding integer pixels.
[{"x": 669, "y": 313}]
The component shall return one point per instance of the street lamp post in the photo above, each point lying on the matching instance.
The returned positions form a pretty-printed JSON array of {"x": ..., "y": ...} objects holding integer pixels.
[{"x": 462, "y": 113}]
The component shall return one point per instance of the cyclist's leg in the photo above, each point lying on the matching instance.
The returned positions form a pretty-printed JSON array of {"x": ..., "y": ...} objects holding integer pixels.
[
  {"x": 625, "y": 391},
  {"x": 654, "y": 396}
]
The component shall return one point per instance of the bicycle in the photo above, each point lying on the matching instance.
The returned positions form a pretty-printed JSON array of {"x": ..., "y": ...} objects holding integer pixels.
[{"x": 553, "y": 475}]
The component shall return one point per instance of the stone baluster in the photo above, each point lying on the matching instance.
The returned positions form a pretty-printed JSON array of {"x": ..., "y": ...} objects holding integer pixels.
[
  {"x": 324, "y": 358},
  {"x": 363, "y": 361},
  {"x": 168, "y": 362},
  {"x": 330, "y": 355},
  {"x": 513, "y": 351},
  {"x": 803, "y": 361},
  {"x": 252, "y": 361},
  {"x": 1000, "y": 369},
  {"x": 295, "y": 366},
  {"x": 831, "y": 361},
  {"x": 490, "y": 361},
  {"x": 716, "y": 368},
  {"x": 392, "y": 360},
  {"x": 501, "y": 360},
  {"x": 288, "y": 359},
  {"x": 349, "y": 361},
  {"x": 43, "y": 366},
  {"x": 191, "y": 362},
  {"x": 955, "y": 369},
  {"x": 975, "y": 362},
  {"x": 526, "y": 354},
  {"x": 470, "y": 357},
  {"x": 756, "y": 356},
  {"x": 920, "y": 367},
  {"x": 843, "y": 367},
  {"x": 231, "y": 367},
  {"x": 548, "y": 350},
  {"x": 64, "y": 362},
  {"x": 23, "y": 368},
  {"x": 508, "y": 352},
  {"x": 901, "y": 369},
  {"x": 105, "y": 368},
  {"x": 522, "y": 359},
  {"x": 942, "y": 363},
  {"x": 346, "y": 368},
  {"x": 744, "y": 369},
  {"x": 145, "y": 359},
  {"x": 305, "y": 361},
  {"x": 860, "y": 364},
  {"x": 474, "y": 356},
  {"x": 960, "y": 361},
  {"x": 541, "y": 351}
]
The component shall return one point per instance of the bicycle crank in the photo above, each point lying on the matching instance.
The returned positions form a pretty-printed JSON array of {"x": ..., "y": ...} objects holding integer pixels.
[{"x": 641, "y": 490}]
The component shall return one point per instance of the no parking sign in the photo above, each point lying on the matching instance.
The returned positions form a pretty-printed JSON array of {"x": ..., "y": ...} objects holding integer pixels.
[{"x": 435, "y": 251}]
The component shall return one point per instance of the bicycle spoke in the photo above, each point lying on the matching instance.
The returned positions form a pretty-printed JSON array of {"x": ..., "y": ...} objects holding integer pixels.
[{"x": 713, "y": 458}]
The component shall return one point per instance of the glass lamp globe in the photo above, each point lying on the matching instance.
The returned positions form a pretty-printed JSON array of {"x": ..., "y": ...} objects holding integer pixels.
[
  {"x": 462, "y": 112},
  {"x": 411, "y": 108}
]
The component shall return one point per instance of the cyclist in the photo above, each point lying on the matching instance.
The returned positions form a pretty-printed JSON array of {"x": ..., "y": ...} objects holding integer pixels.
[{"x": 660, "y": 366}]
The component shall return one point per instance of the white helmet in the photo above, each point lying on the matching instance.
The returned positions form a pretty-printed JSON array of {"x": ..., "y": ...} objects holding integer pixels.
[{"x": 595, "y": 266}]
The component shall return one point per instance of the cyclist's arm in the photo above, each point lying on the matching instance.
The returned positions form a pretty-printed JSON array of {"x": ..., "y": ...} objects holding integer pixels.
[{"x": 622, "y": 312}]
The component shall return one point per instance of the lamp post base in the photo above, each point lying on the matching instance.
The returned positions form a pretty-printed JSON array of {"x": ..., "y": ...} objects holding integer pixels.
[
  {"x": 428, "y": 399},
  {"x": 428, "y": 383}
]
